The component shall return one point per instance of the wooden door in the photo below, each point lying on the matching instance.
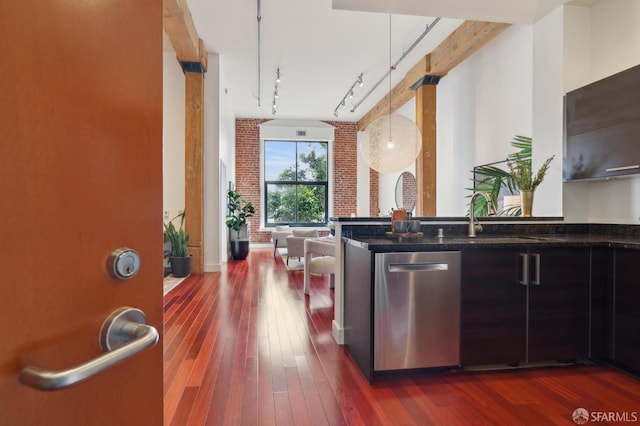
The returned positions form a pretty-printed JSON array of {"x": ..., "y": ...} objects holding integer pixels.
[{"x": 80, "y": 176}]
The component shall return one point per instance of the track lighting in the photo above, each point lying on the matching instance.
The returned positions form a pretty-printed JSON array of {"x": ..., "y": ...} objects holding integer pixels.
[
  {"x": 349, "y": 94},
  {"x": 394, "y": 66},
  {"x": 275, "y": 91}
]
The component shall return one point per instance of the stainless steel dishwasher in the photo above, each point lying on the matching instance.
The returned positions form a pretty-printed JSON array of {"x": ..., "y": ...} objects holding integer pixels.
[{"x": 416, "y": 310}]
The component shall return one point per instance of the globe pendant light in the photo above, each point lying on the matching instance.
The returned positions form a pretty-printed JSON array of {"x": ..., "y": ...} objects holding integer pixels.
[{"x": 392, "y": 142}]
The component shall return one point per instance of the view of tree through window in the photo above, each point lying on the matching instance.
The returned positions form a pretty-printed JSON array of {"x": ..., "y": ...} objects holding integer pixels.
[{"x": 295, "y": 182}]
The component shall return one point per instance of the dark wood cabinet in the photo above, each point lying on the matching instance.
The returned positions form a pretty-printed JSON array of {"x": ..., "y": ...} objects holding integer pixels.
[
  {"x": 602, "y": 121},
  {"x": 524, "y": 305},
  {"x": 493, "y": 307},
  {"x": 602, "y": 303},
  {"x": 626, "y": 349},
  {"x": 559, "y": 304}
]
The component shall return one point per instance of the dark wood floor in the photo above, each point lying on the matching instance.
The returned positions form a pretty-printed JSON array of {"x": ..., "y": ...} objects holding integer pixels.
[{"x": 246, "y": 346}]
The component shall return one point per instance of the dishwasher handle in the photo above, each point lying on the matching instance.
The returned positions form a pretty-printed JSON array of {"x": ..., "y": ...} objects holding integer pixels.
[{"x": 418, "y": 267}]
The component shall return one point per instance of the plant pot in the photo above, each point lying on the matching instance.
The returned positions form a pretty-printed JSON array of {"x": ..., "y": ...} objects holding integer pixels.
[
  {"x": 526, "y": 202},
  {"x": 180, "y": 266},
  {"x": 239, "y": 249},
  {"x": 242, "y": 234}
]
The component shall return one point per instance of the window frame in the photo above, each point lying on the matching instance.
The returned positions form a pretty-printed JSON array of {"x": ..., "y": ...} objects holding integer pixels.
[{"x": 296, "y": 183}]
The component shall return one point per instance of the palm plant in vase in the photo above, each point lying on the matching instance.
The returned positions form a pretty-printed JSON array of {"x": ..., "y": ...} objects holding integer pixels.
[
  {"x": 525, "y": 181},
  {"x": 493, "y": 180}
]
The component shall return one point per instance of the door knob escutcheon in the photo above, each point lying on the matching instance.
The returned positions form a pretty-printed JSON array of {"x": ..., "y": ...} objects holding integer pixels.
[{"x": 124, "y": 263}]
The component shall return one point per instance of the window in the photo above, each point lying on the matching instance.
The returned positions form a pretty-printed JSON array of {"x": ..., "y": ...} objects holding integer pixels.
[{"x": 295, "y": 180}]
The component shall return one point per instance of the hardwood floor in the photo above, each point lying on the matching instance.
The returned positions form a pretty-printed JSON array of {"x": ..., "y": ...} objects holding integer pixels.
[{"x": 246, "y": 346}]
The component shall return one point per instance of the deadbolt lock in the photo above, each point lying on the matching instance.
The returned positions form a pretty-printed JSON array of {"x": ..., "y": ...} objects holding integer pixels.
[{"x": 124, "y": 263}]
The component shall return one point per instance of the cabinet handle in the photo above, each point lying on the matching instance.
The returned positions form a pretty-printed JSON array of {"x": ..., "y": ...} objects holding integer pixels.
[
  {"x": 524, "y": 277},
  {"x": 536, "y": 269},
  {"x": 619, "y": 169}
]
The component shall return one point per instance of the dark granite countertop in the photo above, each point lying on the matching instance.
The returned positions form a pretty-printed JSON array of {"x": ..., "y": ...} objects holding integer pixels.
[
  {"x": 427, "y": 219},
  {"x": 458, "y": 242}
]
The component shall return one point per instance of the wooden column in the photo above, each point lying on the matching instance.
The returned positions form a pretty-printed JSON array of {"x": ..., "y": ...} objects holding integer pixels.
[
  {"x": 194, "y": 163},
  {"x": 426, "y": 176}
]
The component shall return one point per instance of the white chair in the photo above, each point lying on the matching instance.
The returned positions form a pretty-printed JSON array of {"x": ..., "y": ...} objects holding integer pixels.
[
  {"x": 295, "y": 242},
  {"x": 279, "y": 238},
  {"x": 319, "y": 258}
]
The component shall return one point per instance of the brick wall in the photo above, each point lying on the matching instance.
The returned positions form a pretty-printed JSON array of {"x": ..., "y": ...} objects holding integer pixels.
[
  {"x": 344, "y": 168},
  {"x": 248, "y": 169},
  {"x": 374, "y": 193}
]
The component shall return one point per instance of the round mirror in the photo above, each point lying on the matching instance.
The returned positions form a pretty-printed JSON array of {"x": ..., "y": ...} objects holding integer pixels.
[{"x": 406, "y": 191}]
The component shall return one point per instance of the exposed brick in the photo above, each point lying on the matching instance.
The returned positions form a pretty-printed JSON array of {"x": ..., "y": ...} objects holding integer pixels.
[{"x": 344, "y": 167}]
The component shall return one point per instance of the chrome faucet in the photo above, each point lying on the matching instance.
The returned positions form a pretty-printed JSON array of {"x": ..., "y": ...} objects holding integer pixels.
[{"x": 474, "y": 225}]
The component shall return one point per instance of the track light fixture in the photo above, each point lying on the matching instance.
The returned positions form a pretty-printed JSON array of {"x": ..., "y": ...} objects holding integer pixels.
[
  {"x": 395, "y": 64},
  {"x": 349, "y": 94},
  {"x": 274, "y": 106}
]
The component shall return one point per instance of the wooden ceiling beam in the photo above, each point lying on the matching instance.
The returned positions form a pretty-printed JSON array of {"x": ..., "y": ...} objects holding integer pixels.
[
  {"x": 468, "y": 38},
  {"x": 181, "y": 31}
]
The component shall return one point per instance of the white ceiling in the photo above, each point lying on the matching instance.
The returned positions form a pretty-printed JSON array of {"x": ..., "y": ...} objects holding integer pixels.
[{"x": 321, "y": 46}]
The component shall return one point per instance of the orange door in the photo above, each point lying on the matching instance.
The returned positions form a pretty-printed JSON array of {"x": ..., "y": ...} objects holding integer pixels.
[{"x": 80, "y": 176}]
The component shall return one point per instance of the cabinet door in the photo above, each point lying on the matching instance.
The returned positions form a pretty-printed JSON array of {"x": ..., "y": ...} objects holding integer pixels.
[
  {"x": 627, "y": 309},
  {"x": 559, "y": 304},
  {"x": 602, "y": 303},
  {"x": 493, "y": 310},
  {"x": 602, "y": 123}
]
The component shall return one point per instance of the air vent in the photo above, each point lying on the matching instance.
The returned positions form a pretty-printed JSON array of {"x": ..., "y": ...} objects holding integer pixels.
[{"x": 301, "y": 133}]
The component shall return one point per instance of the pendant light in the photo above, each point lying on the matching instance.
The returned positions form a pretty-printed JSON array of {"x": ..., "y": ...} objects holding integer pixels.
[{"x": 392, "y": 142}]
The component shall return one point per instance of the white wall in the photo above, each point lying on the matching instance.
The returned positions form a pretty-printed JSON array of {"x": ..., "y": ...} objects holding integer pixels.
[
  {"x": 482, "y": 104},
  {"x": 219, "y": 152},
  {"x": 603, "y": 40},
  {"x": 211, "y": 170},
  {"x": 547, "y": 111},
  {"x": 227, "y": 164},
  {"x": 172, "y": 136}
]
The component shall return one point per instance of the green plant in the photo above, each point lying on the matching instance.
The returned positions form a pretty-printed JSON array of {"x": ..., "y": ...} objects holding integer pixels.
[
  {"x": 493, "y": 179},
  {"x": 239, "y": 211},
  {"x": 178, "y": 237},
  {"x": 522, "y": 173}
]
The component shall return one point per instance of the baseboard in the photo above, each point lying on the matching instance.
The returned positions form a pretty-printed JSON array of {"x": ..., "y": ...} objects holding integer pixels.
[
  {"x": 261, "y": 245},
  {"x": 337, "y": 332},
  {"x": 212, "y": 267}
]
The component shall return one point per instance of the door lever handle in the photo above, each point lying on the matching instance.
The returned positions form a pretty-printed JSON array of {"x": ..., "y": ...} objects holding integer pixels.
[{"x": 123, "y": 334}]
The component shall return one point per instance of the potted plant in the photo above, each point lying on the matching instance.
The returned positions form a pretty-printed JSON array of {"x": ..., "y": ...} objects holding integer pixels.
[
  {"x": 239, "y": 211},
  {"x": 525, "y": 181},
  {"x": 494, "y": 180},
  {"x": 180, "y": 257}
]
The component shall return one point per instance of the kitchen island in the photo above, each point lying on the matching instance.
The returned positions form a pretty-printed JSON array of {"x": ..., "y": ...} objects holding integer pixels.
[{"x": 530, "y": 292}]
